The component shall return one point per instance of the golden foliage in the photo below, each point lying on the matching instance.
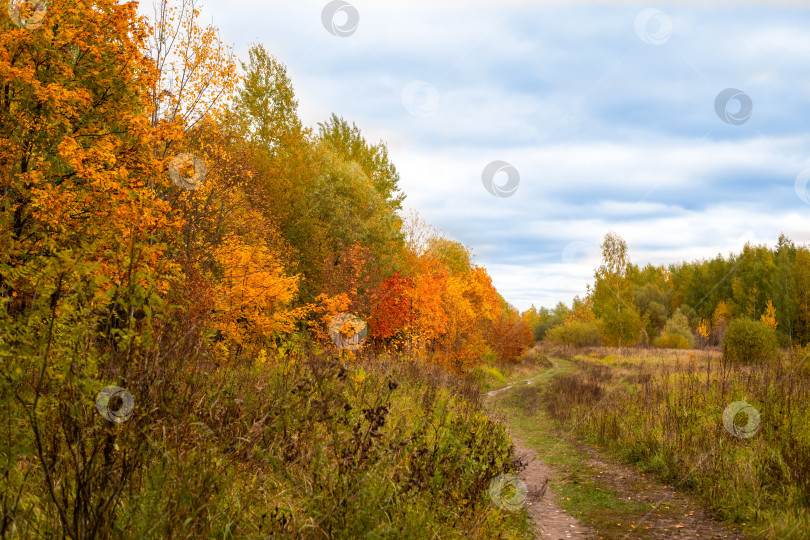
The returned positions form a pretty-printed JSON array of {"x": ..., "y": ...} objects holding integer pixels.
[{"x": 769, "y": 317}]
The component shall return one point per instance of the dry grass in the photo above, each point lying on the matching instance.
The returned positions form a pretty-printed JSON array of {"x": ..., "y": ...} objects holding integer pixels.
[{"x": 664, "y": 410}]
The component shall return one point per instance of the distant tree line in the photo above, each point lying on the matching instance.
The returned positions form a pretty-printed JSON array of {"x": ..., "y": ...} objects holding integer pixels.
[{"x": 686, "y": 304}]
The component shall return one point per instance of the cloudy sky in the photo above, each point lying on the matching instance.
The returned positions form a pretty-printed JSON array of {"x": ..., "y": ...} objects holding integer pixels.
[{"x": 607, "y": 116}]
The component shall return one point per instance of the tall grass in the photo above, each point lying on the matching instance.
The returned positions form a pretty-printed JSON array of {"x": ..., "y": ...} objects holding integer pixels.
[
  {"x": 665, "y": 413},
  {"x": 309, "y": 447}
]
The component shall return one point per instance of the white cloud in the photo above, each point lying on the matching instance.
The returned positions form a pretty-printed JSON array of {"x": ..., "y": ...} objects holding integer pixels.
[{"x": 607, "y": 132}]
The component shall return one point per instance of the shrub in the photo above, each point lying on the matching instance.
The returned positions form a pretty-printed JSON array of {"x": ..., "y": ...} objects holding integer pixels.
[
  {"x": 678, "y": 324},
  {"x": 576, "y": 333},
  {"x": 397, "y": 447},
  {"x": 483, "y": 375},
  {"x": 672, "y": 341},
  {"x": 749, "y": 342}
]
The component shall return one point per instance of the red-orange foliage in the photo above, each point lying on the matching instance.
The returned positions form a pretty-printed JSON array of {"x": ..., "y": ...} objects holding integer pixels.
[
  {"x": 393, "y": 307},
  {"x": 510, "y": 336},
  {"x": 446, "y": 309}
]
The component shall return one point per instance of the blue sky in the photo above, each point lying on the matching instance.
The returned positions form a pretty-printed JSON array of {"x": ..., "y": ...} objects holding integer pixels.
[{"x": 607, "y": 113}]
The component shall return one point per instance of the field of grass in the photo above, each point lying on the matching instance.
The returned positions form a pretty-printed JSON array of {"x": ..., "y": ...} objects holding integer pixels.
[
  {"x": 307, "y": 448},
  {"x": 664, "y": 411}
]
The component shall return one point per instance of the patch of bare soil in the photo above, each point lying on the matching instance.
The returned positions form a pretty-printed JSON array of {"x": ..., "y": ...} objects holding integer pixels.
[{"x": 549, "y": 519}]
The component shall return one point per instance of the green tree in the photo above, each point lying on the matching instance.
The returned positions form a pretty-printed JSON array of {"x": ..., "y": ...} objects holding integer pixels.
[
  {"x": 342, "y": 210},
  {"x": 785, "y": 287},
  {"x": 265, "y": 104},
  {"x": 349, "y": 142},
  {"x": 678, "y": 325},
  {"x": 282, "y": 164},
  {"x": 801, "y": 274},
  {"x": 652, "y": 305},
  {"x": 752, "y": 284},
  {"x": 613, "y": 295}
]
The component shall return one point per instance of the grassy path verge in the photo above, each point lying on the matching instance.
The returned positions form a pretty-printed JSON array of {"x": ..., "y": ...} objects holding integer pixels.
[{"x": 610, "y": 500}]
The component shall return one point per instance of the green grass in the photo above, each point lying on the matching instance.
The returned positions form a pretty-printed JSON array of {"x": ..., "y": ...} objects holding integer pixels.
[
  {"x": 487, "y": 377},
  {"x": 491, "y": 376}
]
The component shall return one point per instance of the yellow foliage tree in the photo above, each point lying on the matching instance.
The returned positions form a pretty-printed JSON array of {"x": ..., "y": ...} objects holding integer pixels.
[
  {"x": 703, "y": 329},
  {"x": 582, "y": 311},
  {"x": 769, "y": 317},
  {"x": 254, "y": 296}
]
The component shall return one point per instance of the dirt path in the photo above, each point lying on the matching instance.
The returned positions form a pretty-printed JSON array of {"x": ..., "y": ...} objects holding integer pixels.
[
  {"x": 550, "y": 521},
  {"x": 528, "y": 381},
  {"x": 649, "y": 509}
]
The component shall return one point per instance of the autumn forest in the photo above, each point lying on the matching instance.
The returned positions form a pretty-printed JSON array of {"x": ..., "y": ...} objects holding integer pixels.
[
  {"x": 219, "y": 322},
  {"x": 171, "y": 231}
]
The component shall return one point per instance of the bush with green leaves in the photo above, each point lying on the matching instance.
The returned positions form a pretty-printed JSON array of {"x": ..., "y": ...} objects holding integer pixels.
[
  {"x": 575, "y": 333},
  {"x": 304, "y": 447},
  {"x": 750, "y": 342},
  {"x": 678, "y": 325},
  {"x": 486, "y": 376}
]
